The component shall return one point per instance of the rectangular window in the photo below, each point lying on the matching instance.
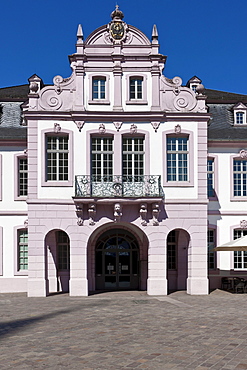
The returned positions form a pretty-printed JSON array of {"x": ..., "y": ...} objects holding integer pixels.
[
  {"x": 133, "y": 159},
  {"x": 211, "y": 245},
  {"x": 63, "y": 248},
  {"x": 177, "y": 158},
  {"x": 57, "y": 158},
  {"x": 99, "y": 88},
  {"x": 239, "y": 118},
  {"x": 240, "y": 257},
  {"x": 136, "y": 88},
  {"x": 171, "y": 251},
  {"x": 239, "y": 178},
  {"x": 210, "y": 177},
  {"x": 22, "y": 176},
  {"x": 102, "y": 159},
  {"x": 22, "y": 249}
]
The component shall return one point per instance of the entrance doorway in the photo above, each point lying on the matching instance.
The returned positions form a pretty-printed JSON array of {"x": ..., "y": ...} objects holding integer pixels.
[{"x": 117, "y": 261}]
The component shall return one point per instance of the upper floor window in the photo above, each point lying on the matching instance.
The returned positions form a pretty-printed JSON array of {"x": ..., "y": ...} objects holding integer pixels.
[
  {"x": 133, "y": 158},
  {"x": 63, "y": 248},
  {"x": 239, "y": 118},
  {"x": 22, "y": 176},
  {"x": 239, "y": 178},
  {"x": 99, "y": 88},
  {"x": 57, "y": 158},
  {"x": 177, "y": 158},
  {"x": 210, "y": 177},
  {"x": 102, "y": 158},
  {"x": 136, "y": 85},
  {"x": 193, "y": 87},
  {"x": 211, "y": 245},
  {"x": 240, "y": 257},
  {"x": 22, "y": 255}
]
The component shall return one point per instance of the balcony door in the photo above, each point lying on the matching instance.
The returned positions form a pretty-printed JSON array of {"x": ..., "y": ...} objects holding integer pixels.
[{"x": 117, "y": 261}]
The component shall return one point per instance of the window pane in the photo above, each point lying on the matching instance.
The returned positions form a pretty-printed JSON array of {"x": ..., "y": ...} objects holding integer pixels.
[{"x": 22, "y": 249}]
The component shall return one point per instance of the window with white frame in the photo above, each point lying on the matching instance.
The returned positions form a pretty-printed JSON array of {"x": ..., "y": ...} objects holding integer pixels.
[
  {"x": 133, "y": 158},
  {"x": 239, "y": 118},
  {"x": 22, "y": 176},
  {"x": 177, "y": 158},
  {"x": 136, "y": 86},
  {"x": 57, "y": 158},
  {"x": 193, "y": 87},
  {"x": 210, "y": 177},
  {"x": 239, "y": 178},
  {"x": 171, "y": 251},
  {"x": 63, "y": 250},
  {"x": 211, "y": 246},
  {"x": 102, "y": 158},
  {"x": 240, "y": 257},
  {"x": 22, "y": 255},
  {"x": 99, "y": 88}
]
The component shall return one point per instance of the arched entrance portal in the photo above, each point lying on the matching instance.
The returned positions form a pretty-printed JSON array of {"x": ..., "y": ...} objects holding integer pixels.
[{"x": 117, "y": 261}]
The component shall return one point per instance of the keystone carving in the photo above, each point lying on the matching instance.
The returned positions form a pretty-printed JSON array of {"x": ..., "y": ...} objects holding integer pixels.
[
  {"x": 133, "y": 129},
  {"x": 155, "y": 125},
  {"x": 243, "y": 224},
  {"x": 243, "y": 154},
  {"x": 26, "y": 223},
  {"x": 79, "y": 125},
  {"x": 117, "y": 125},
  {"x": 57, "y": 127},
  {"x": 102, "y": 129},
  {"x": 177, "y": 129},
  {"x": 117, "y": 212}
]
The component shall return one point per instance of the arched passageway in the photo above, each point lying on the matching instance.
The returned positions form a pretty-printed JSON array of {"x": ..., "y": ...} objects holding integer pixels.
[
  {"x": 57, "y": 245},
  {"x": 177, "y": 259}
]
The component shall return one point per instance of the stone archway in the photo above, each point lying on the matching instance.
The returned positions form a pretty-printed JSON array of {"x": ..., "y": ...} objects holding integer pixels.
[
  {"x": 133, "y": 260},
  {"x": 57, "y": 244}
]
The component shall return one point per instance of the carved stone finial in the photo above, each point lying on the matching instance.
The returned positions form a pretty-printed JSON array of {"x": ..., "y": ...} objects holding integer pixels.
[
  {"x": 133, "y": 129},
  {"x": 102, "y": 129},
  {"x": 243, "y": 224},
  {"x": 117, "y": 212},
  {"x": 79, "y": 34},
  {"x": 79, "y": 213},
  {"x": 34, "y": 87},
  {"x": 177, "y": 129},
  {"x": 200, "y": 89},
  {"x": 117, "y": 14},
  {"x": 143, "y": 214},
  {"x": 92, "y": 213},
  {"x": 155, "y": 213},
  {"x": 57, "y": 127},
  {"x": 155, "y": 33}
]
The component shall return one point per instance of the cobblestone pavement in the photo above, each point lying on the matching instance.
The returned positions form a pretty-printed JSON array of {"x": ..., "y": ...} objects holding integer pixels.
[{"x": 124, "y": 330}]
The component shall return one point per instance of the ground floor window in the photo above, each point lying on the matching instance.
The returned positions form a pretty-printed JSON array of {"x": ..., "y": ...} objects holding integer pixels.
[
  {"x": 211, "y": 245},
  {"x": 23, "y": 249},
  {"x": 240, "y": 257},
  {"x": 171, "y": 251},
  {"x": 63, "y": 248}
]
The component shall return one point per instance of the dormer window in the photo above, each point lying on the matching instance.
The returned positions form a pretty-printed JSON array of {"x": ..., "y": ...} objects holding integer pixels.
[
  {"x": 239, "y": 118},
  {"x": 239, "y": 111},
  {"x": 193, "y": 87},
  {"x": 99, "y": 89},
  {"x": 136, "y": 89}
]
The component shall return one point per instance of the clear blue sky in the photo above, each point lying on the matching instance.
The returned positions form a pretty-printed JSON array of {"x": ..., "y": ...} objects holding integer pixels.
[{"x": 204, "y": 38}]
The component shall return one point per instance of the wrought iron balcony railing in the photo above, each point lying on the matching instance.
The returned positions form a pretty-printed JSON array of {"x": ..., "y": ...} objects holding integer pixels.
[{"x": 118, "y": 186}]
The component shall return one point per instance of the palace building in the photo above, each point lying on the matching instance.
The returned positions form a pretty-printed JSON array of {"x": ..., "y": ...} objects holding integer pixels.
[{"x": 119, "y": 177}]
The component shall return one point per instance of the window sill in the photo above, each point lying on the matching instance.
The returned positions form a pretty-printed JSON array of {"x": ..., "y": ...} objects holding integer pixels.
[
  {"x": 21, "y": 198},
  {"x": 239, "y": 199},
  {"x": 61, "y": 184},
  {"x": 21, "y": 273},
  {"x": 182, "y": 184},
  {"x": 136, "y": 102},
  {"x": 99, "y": 102}
]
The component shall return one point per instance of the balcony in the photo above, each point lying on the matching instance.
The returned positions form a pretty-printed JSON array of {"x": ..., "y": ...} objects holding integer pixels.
[{"x": 148, "y": 186}]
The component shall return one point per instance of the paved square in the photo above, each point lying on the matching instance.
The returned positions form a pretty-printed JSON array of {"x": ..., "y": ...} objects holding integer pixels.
[{"x": 124, "y": 330}]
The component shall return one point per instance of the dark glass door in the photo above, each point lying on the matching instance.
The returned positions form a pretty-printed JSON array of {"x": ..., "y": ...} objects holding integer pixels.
[{"x": 117, "y": 261}]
